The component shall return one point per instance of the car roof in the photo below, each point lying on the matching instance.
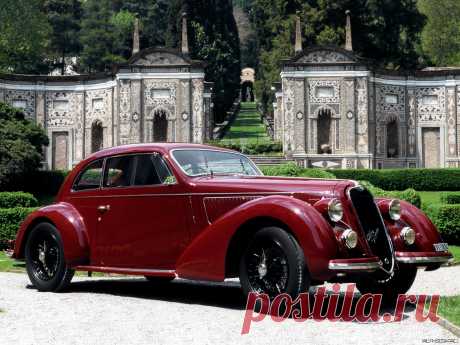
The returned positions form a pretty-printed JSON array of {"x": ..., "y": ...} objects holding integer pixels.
[{"x": 159, "y": 147}]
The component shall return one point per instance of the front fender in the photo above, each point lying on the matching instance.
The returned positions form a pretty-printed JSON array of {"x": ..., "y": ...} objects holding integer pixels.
[
  {"x": 70, "y": 225},
  {"x": 205, "y": 257}
]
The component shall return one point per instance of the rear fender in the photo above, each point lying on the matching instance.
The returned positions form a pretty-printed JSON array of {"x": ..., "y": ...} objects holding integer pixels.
[
  {"x": 205, "y": 257},
  {"x": 70, "y": 226}
]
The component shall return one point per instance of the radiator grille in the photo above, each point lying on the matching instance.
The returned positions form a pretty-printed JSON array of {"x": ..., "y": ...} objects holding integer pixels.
[{"x": 372, "y": 225}]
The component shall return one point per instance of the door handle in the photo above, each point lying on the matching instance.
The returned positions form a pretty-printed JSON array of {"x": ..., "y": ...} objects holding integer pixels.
[{"x": 103, "y": 208}]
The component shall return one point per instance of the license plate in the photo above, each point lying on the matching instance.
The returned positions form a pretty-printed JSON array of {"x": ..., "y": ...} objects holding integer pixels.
[{"x": 441, "y": 247}]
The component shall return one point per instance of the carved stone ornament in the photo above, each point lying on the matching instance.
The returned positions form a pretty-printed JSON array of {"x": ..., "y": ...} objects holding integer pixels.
[
  {"x": 135, "y": 117},
  {"x": 184, "y": 116},
  {"x": 299, "y": 115},
  {"x": 324, "y": 56},
  {"x": 160, "y": 58},
  {"x": 349, "y": 115}
]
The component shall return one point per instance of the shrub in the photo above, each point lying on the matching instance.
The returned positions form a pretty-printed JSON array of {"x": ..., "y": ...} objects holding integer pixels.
[
  {"x": 447, "y": 220},
  {"x": 10, "y": 220},
  {"x": 289, "y": 169},
  {"x": 39, "y": 182},
  {"x": 409, "y": 195},
  {"x": 401, "y": 179},
  {"x": 17, "y": 199},
  {"x": 250, "y": 148},
  {"x": 450, "y": 198}
]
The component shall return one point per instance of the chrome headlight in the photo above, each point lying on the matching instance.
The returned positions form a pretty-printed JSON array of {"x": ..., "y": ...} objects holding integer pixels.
[
  {"x": 394, "y": 209},
  {"x": 350, "y": 238},
  {"x": 407, "y": 235},
  {"x": 335, "y": 210}
]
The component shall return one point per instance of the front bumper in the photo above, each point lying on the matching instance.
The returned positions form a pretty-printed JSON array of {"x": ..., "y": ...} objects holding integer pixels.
[
  {"x": 423, "y": 258},
  {"x": 355, "y": 265}
]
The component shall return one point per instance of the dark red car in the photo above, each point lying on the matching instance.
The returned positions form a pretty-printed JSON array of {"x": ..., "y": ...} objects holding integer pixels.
[{"x": 200, "y": 212}]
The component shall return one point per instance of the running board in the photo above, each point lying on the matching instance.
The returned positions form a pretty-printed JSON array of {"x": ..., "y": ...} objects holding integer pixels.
[{"x": 128, "y": 271}]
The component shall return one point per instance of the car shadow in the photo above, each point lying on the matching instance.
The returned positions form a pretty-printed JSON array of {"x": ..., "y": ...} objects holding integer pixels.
[{"x": 221, "y": 294}]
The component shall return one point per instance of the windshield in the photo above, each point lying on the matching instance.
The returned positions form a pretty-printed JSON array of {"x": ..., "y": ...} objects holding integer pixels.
[{"x": 209, "y": 162}]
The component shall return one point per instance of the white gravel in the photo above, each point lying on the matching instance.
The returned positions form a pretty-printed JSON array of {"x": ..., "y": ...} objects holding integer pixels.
[{"x": 132, "y": 311}]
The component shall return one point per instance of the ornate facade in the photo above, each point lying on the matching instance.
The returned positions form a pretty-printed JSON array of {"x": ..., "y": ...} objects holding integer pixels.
[
  {"x": 159, "y": 95},
  {"x": 333, "y": 110}
]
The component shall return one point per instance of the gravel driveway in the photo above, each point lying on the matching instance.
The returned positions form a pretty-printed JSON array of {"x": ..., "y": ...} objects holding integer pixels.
[{"x": 132, "y": 311}]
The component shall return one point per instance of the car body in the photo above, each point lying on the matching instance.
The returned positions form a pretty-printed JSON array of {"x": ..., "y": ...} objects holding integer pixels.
[{"x": 111, "y": 216}]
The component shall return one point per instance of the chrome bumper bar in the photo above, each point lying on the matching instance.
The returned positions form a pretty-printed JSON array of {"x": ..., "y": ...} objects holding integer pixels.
[
  {"x": 354, "y": 266},
  {"x": 420, "y": 260}
]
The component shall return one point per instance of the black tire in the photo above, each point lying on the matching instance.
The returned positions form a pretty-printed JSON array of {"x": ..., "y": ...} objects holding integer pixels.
[
  {"x": 273, "y": 263},
  {"x": 45, "y": 261},
  {"x": 159, "y": 280},
  {"x": 398, "y": 283}
]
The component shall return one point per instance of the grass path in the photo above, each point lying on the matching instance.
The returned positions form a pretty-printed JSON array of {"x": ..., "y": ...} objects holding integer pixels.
[{"x": 247, "y": 126}]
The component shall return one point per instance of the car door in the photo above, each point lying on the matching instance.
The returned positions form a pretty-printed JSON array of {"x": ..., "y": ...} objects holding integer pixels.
[{"x": 142, "y": 221}]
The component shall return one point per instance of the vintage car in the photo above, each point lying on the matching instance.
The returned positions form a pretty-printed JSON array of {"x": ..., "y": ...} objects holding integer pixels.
[{"x": 199, "y": 212}]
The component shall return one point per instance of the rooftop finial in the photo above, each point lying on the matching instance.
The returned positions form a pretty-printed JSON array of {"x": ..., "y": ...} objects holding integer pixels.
[
  {"x": 136, "y": 44},
  {"x": 298, "y": 35},
  {"x": 184, "y": 34},
  {"x": 348, "y": 38}
]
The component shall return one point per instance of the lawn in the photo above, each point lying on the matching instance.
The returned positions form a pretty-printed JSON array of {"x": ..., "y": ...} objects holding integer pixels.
[
  {"x": 431, "y": 197},
  {"x": 9, "y": 265},
  {"x": 247, "y": 127},
  {"x": 455, "y": 250},
  {"x": 449, "y": 308}
]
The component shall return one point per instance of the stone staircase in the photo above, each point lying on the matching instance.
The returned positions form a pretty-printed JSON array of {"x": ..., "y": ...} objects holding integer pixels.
[{"x": 270, "y": 160}]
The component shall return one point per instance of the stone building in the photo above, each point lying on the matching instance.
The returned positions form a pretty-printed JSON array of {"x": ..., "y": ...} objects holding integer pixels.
[
  {"x": 159, "y": 95},
  {"x": 333, "y": 110}
]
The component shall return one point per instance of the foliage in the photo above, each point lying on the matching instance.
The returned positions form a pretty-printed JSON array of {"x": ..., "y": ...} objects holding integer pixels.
[
  {"x": 10, "y": 220},
  {"x": 450, "y": 198},
  {"x": 23, "y": 36},
  {"x": 400, "y": 179},
  {"x": 247, "y": 128},
  {"x": 384, "y": 30},
  {"x": 409, "y": 195},
  {"x": 440, "y": 38},
  {"x": 447, "y": 220},
  {"x": 21, "y": 145},
  {"x": 17, "y": 199},
  {"x": 250, "y": 148},
  {"x": 213, "y": 37},
  {"x": 64, "y": 17},
  {"x": 293, "y": 170},
  {"x": 100, "y": 37}
]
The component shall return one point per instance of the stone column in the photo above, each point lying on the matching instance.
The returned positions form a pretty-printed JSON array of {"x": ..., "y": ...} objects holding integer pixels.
[
  {"x": 349, "y": 118},
  {"x": 298, "y": 129},
  {"x": 362, "y": 115},
  {"x": 136, "y": 110},
  {"x": 411, "y": 123},
  {"x": 184, "y": 111},
  {"x": 198, "y": 111},
  {"x": 451, "y": 123},
  {"x": 288, "y": 115}
]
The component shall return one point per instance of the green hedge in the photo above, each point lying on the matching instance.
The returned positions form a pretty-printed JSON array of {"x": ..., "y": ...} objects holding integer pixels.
[
  {"x": 17, "y": 199},
  {"x": 447, "y": 220},
  {"x": 40, "y": 182},
  {"x": 10, "y": 219},
  {"x": 250, "y": 148},
  {"x": 450, "y": 198},
  {"x": 292, "y": 169},
  {"x": 401, "y": 179},
  {"x": 409, "y": 195}
]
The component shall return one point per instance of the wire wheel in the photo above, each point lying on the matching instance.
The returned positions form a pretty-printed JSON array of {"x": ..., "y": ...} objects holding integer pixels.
[{"x": 45, "y": 256}]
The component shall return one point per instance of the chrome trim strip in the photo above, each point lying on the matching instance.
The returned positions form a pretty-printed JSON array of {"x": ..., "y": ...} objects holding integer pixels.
[
  {"x": 355, "y": 266},
  {"x": 423, "y": 259}
]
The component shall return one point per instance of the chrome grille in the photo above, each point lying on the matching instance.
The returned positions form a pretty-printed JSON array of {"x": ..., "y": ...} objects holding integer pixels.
[{"x": 372, "y": 225}]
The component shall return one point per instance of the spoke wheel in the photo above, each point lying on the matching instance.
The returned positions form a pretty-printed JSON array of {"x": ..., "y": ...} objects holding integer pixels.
[
  {"x": 273, "y": 263},
  {"x": 45, "y": 262},
  {"x": 267, "y": 267}
]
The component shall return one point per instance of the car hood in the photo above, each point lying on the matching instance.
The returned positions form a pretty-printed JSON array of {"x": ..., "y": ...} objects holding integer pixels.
[{"x": 315, "y": 188}]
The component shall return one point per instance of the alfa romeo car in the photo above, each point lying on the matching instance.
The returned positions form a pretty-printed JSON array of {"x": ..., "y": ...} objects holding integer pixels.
[{"x": 167, "y": 211}]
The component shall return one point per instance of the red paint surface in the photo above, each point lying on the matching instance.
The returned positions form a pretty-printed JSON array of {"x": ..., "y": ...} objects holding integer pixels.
[{"x": 186, "y": 228}]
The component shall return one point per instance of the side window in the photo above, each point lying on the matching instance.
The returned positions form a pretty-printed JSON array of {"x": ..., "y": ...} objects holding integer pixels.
[
  {"x": 90, "y": 178},
  {"x": 152, "y": 170},
  {"x": 118, "y": 171}
]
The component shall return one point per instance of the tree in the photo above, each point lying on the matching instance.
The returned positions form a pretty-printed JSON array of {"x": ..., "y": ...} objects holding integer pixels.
[
  {"x": 23, "y": 37},
  {"x": 213, "y": 37},
  {"x": 100, "y": 37},
  {"x": 21, "y": 145},
  {"x": 440, "y": 40},
  {"x": 64, "y": 17},
  {"x": 385, "y": 31}
]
